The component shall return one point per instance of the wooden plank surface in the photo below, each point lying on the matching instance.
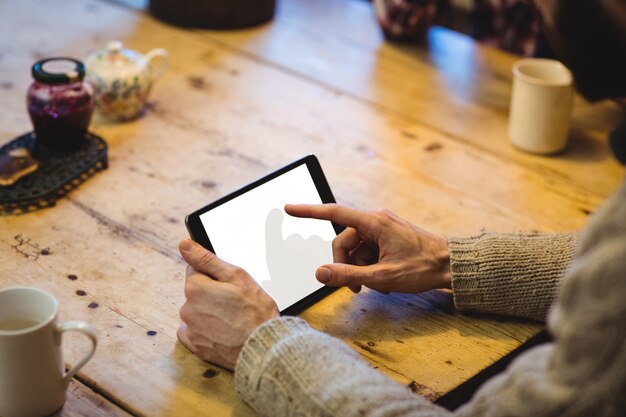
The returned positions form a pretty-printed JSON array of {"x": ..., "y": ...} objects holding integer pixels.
[
  {"x": 234, "y": 106},
  {"x": 83, "y": 402},
  {"x": 453, "y": 86}
]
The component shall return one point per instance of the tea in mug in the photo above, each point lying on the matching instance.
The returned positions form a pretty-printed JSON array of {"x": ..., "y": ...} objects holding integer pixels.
[{"x": 17, "y": 323}]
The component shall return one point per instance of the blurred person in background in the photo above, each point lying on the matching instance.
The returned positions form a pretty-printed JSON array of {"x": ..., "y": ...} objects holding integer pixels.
[{"x": 512, "y": 25}]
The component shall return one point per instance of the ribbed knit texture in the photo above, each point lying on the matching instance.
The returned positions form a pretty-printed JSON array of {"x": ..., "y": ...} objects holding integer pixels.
[
  {"x": 288, "y": 369},
  {"x": 509, "y": 274}
]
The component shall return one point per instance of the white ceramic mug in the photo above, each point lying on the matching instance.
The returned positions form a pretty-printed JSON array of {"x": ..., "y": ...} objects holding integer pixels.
[
  {"x": 32, "y": 373},
  {"x": 541, "y": 105}
]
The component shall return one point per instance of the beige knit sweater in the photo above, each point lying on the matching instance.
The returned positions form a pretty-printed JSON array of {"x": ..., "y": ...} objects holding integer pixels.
[{"x": 288, "y": 369}]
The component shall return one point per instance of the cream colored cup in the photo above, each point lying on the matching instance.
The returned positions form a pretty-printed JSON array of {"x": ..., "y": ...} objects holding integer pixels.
[
  {"x": 541, "y": 105},
  {"x": 32, "y": 374}
]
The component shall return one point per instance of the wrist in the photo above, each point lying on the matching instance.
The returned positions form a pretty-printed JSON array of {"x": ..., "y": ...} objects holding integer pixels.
[{"x": 445, "y": 271}]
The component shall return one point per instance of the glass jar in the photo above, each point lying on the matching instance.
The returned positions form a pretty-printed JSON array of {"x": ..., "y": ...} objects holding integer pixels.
[{"x": 60, "y": 103}]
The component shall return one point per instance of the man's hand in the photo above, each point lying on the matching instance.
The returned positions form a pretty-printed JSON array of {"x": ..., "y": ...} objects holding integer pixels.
[
  {"x": 224, "y": 306},
  {"x": 380, "y": 250}
]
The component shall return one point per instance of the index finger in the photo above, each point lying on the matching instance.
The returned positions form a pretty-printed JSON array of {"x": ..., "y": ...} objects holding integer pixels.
[{"x": 336, "y": 213}]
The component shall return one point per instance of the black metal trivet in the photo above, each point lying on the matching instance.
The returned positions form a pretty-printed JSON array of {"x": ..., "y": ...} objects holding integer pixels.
[{"x": 58, "y": 173}]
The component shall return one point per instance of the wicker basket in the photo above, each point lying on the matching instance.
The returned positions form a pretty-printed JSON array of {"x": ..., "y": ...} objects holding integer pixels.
[{"x": 213, "y": 14}]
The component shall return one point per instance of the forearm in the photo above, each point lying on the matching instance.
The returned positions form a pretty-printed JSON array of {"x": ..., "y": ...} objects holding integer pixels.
[
  {"x": 288, "y": 368},
  {"x": 514, "y": 274}
]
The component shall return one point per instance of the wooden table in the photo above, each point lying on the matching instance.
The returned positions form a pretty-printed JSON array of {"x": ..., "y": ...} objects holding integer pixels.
[{"x": 421, "y": 131}]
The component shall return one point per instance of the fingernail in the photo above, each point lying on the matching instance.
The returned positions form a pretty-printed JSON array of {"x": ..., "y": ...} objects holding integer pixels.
[
  {"x": 187, "y": 245},
  {"x": 323, "y": 275}
]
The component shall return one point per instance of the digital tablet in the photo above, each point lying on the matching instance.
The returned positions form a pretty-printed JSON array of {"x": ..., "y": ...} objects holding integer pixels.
[{"x": 249, "y": 228}]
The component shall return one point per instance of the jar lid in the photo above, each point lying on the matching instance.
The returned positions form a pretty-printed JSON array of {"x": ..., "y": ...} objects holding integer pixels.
[{"x": 58, "y": 70}]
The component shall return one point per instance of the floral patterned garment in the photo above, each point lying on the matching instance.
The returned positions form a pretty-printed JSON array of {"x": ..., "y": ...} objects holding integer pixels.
[
  {"x": 407, "y": 20},
  {"x": 508, "y": 24}
]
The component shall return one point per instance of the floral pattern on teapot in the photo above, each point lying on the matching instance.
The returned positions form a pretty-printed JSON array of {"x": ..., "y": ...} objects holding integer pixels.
[{"x": 123, "y": 79}]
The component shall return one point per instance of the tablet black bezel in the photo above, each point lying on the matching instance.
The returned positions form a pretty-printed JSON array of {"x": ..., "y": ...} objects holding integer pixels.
[{"x": 197, "y": 232}]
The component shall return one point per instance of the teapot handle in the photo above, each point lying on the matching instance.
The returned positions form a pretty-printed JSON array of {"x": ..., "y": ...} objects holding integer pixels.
[{"x": 157, "y": 53}]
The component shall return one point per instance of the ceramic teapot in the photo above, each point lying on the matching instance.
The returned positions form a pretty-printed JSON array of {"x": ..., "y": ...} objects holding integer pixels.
[{"x": 123, "y": 79}]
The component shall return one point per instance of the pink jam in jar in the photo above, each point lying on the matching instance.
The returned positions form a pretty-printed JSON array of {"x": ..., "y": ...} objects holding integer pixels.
[{"x": 60, "y": 103}]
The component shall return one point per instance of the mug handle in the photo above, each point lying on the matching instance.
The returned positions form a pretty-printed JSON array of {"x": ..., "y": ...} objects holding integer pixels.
[
  {"x": 157, "y": 53},
  {"x": 87, "y": 330}
]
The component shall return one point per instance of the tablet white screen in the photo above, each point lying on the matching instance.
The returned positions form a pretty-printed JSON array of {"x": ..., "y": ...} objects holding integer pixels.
[{"x": 281, "y": 252}]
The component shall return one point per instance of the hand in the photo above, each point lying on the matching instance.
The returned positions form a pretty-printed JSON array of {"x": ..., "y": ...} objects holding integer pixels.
[
  {"x": 224, "y": 306},
  {"x": 381, "y": 251}
]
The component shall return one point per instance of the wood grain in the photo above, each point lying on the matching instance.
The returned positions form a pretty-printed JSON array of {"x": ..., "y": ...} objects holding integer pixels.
[
  {"x": 452, "y": 86},
  {"x": 396, "y": 127},
  {"x": 83, "y": 402}
]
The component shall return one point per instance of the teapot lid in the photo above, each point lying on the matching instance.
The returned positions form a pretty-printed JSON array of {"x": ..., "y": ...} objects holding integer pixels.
[{"x": 114, "y": 55}]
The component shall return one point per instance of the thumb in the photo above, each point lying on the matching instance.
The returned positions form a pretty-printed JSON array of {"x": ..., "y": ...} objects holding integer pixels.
[
  {"x": 205, "y": 261},
  {"x": 342, "y": 275}
]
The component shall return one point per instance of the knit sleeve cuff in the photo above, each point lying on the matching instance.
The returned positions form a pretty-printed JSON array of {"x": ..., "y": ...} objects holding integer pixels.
[
  {"x": 249, "y": 369},
  {"x": 513, "y": 274}
]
